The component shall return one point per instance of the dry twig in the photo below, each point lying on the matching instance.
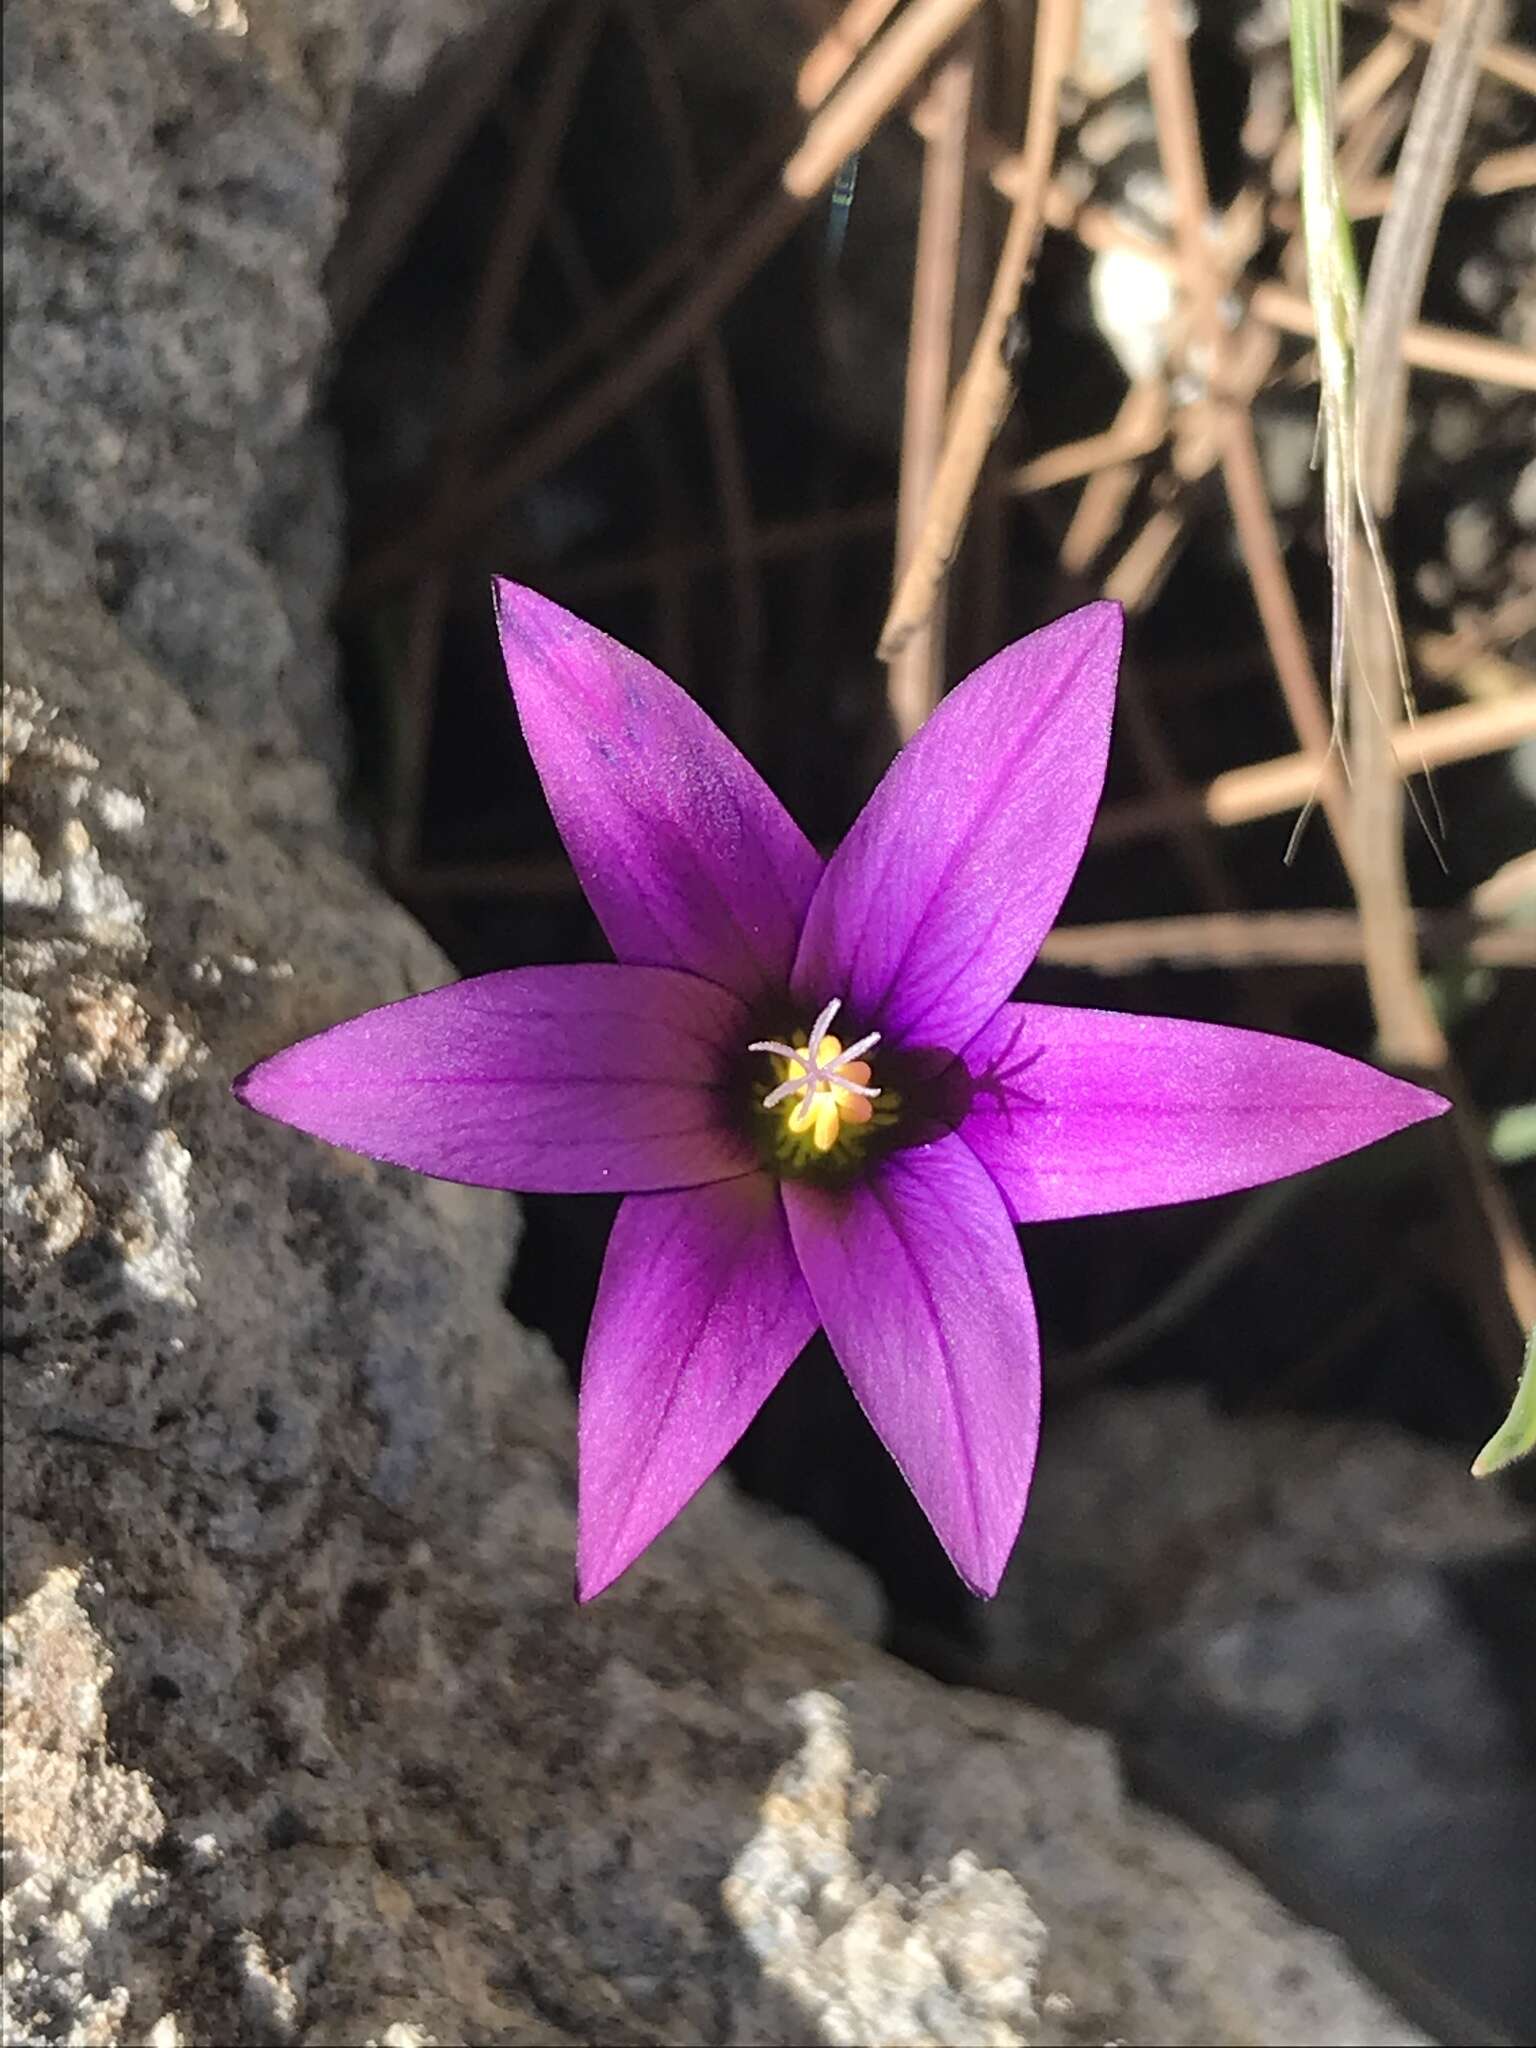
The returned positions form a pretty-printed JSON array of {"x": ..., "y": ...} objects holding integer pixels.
[
  {"x": 1460, "y": 734},
  {"x": 1514, "y": 66},
  {"x": 1372, "y": 78},
  {"x": 985, "y": 391},
  {"x": 1409, "y": 1031},
  {"x": 1179, "y": 143},
  {"x": 510, "y": 246},
  {"x": 386, "y": 212},
  {"x": 1140, "y": 428},
  {"x": 1292, "y": 938},
  {"x": 591, "y": 410},
  {"x": 722, "y": 419},
  {"x": 916, "y": 674},
  {"x": 844, "y": 42},
  {"x": 1447, "y": 350},
  {"x": 848, "y": 119}
]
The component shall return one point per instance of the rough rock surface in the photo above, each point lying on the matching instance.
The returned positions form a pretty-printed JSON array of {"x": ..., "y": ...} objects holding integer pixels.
[
  {"x": 173, "y": 184},
  {"x": 1279, "y": 1619},
  {"x": 306, "y": 1740}
]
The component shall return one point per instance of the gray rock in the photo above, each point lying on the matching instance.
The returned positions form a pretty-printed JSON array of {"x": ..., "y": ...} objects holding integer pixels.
[
  {"x": 172, "y": 180},
  {"x": 173, "y": 186},
  {"x": 78, "y": 1827},
  {"x": 1269, "y": 1614}
]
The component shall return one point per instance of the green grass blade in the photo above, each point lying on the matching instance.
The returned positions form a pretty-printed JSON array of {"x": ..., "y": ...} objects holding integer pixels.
[{"x": 1516, "y": 1436}]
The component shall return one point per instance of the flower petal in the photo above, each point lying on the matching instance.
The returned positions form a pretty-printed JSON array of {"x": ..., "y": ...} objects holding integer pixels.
[
  {"x": 686, "y": 855},
  {"x": 918, "y": 1277},
  {"x": 1079, "y": 1112},
  {"x": 555, "y": 1080},
  {"x": 700, "y": 1311},
  {"x": 938, "y": 899}
]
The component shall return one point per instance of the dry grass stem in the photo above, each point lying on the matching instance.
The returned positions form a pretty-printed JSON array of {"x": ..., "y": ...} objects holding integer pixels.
[
  {"x": 1178, "y": 142},
  {"x": 1178, "y": 135},
  {"x": 1408, "y": 1028},
  {"x": 915, "y": 681},
  {"x": 602, "y": 402},
  {"x": 844, "y": 42},
  {"x": 1378, "y": 685},
  {"x": 1509, "y": 891},
  {"x": 1140, "y": 428},
  {"x": 511, "y": 244},
  {"x": 1299, "y": 686},
  {"x": 1360, "y": 90},
  {"x": 1400, "y": 261},
  {"x": 1291, "y": 938},
  {"x": 1096, "y": 518},
  {"x": 1446, "y": 350},
  {"x": 1449, "y": 655},
  {"x": 399, "y": 189},
  {"x": 722, "y": 418},
  {"x": 985, "y": 391},
  {"x": 1514, "y": 66},
  {"x": 1463, "y": 733},
  {"x": 1139, "y": 571},
  {"x": 1371, "y": 141},
  {"x": 1504, "y": 170},
  {"x": 848, "y": 119}
]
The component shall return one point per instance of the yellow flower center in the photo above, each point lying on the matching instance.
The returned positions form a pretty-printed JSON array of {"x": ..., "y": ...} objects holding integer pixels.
[{"x": 822, "y": 1084}]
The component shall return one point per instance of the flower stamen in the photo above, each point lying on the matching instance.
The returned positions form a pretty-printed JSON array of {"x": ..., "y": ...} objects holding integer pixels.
[{"x": 829, "y": 1083}]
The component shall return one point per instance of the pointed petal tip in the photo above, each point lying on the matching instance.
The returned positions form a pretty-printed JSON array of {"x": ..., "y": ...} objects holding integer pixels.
[
  {"x": 282, "y": 1088},
  {"x": 1433, "y": 1104},
  {"x": 603, "y": 1555},
  {"x": 685, "y": 854},
  {"x": 595, "y": 1575},
  {"x": 943, "y": 1355},
  {"x": 586, "y": 1585},
  {"x": 1106, "y": 614},
  {"x": 1402, "y": 1104},
  {"x": 252, "y": 1088},
  {"x": 908, "y": 922},
  {"x": 982, "y": 1592},
  {"x": 982, "y": 1582},
  {"x": 523, "y": 614},
  {"x": 700, "y": 1311},
  {"x": 978, "y": 1558},
  {"x": 1098, "y": 627},
  {"x": 981, "y": 1559},
  {"x": 532, "y": 624},
  {"x": 1090, "y": 1112}
]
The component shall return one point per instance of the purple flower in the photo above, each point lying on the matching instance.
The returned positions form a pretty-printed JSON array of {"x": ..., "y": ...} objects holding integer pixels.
[{"x": 808, "y": 1081}]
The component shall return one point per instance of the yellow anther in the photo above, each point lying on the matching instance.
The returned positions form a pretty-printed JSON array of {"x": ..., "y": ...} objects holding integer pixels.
[{"x": 821, "y": 1087}]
